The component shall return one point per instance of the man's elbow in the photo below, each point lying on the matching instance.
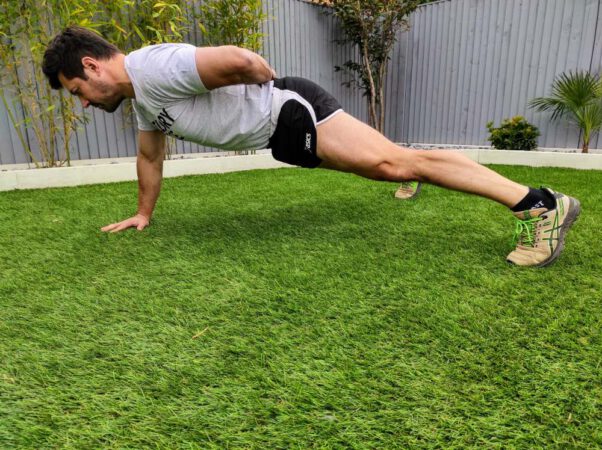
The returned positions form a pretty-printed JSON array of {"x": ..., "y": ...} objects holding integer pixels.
[
  {"x": 245, "y": 63},
  {"x": 251, "y": 67}
]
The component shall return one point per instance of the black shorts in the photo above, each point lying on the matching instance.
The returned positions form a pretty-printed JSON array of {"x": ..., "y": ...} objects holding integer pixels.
[{"x": 294, "y": 140}]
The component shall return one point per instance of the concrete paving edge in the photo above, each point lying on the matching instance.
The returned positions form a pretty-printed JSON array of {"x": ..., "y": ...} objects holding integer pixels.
[{"x": 117, "y": 171}]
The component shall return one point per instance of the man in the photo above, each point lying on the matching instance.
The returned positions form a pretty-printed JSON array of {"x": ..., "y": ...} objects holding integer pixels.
[{"x": 230, "y": 98}]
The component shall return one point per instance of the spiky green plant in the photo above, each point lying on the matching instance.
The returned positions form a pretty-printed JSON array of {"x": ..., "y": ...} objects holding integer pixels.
[{"x": 577, "y": 97}]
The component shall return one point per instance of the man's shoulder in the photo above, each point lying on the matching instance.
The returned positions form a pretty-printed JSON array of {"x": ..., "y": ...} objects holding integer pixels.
[
  {"x": 155, "y": 55},
  {"x": 164, "y": 73}
]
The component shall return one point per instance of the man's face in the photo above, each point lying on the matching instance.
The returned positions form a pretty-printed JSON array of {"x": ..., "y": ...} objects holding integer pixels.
[{"x": 97, "y": 90}]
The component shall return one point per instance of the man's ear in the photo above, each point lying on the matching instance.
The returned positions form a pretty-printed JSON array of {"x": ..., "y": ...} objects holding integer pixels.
[{"x": 91, "y": 64}]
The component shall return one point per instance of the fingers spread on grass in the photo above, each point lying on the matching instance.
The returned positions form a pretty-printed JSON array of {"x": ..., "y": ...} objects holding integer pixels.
[
  {"x": 120, "y": 226},
  {"x": 109, "y": 227}
]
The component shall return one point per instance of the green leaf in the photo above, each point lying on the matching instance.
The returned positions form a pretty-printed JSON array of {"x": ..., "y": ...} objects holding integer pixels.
[{"x": 139, "y": 33}]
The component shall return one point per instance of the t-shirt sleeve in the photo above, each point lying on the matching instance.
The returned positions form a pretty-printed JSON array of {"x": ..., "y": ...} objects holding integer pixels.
[
  {"x": 173, "y": 74},
  {"x": 143, "y": 123}
]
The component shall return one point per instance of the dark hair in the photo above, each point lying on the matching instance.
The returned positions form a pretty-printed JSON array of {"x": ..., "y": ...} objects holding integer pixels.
[{"x": 66, "y": 50}]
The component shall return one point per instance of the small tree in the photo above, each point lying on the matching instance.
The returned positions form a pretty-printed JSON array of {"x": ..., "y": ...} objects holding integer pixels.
[
  {"x": 577, "y": 96},
  {"x": 372, "y": 26}
]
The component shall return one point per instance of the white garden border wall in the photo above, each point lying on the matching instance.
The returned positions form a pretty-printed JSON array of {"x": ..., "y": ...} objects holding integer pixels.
[{"x": 124, "y": 169}]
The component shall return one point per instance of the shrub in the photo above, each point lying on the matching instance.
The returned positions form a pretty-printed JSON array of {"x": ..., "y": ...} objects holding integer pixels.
[{"x": 513, "y": 134}]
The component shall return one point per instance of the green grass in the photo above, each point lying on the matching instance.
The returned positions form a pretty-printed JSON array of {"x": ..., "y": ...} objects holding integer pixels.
[{"x": 333, "y": 315}]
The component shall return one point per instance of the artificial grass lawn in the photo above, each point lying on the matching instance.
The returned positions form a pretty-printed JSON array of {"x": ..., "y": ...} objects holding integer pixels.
[{"x": 295, "y": 309}]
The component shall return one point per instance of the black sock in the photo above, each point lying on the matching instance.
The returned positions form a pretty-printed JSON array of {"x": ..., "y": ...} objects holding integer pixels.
[{"x": 536, "y": 198}]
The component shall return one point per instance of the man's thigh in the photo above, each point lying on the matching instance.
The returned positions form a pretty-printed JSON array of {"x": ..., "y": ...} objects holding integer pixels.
[{"x": 349, "y": 145}]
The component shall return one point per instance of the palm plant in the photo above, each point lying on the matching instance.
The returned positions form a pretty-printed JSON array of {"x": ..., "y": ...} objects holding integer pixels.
[{"x": 578, "y": 97}]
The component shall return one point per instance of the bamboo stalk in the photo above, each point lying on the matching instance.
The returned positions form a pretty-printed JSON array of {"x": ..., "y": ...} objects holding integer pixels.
[{"x": 18, "y": 129}]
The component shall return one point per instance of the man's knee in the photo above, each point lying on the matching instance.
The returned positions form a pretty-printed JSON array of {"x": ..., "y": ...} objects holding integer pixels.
[{"x": 405, "y": 167}]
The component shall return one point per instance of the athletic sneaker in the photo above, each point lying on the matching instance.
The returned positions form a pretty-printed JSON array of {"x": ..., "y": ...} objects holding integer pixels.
[
  {"x": 539, "y": 235},
  {"x": 408, "y": 190}
]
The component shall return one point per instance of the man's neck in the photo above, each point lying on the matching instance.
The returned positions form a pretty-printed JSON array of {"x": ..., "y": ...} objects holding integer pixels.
[{"x": 121, "y": 76}]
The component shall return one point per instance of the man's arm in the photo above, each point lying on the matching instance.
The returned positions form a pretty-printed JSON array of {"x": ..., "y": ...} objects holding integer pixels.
[
  {"x": 227, "y": 65},
  {"x": 149, "y": 165}
]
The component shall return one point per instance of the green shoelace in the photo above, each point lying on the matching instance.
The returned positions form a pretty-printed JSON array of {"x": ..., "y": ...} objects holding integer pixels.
[{"x": 524, "y": 232}]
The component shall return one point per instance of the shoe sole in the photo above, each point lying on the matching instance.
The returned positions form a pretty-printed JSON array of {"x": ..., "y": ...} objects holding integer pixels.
[
  {"x": 571, "y": 217},
  {"x": 418, "y": 189}
]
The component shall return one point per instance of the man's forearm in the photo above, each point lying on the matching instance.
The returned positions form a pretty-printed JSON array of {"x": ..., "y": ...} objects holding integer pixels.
[{"x": 150, "y": 174}]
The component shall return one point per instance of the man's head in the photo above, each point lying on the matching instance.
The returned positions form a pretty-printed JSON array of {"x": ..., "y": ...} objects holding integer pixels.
[{"x": 80, "y": 61}]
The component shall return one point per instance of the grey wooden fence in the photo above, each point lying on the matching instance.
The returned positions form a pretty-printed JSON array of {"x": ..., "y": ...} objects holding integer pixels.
[
  {"x": 466, "y": 62},
  {"x": 461, "y": 64}
]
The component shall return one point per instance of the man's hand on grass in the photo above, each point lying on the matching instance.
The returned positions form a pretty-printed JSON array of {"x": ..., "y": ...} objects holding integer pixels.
[{"x": 139, "y": 221}]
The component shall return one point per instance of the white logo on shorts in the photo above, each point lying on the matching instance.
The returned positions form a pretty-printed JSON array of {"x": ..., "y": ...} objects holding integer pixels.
[{"x": 308, "y": 141}]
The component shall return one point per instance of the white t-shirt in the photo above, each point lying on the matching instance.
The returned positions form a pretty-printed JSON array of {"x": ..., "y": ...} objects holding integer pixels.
[{"x": 171, "y": 97}]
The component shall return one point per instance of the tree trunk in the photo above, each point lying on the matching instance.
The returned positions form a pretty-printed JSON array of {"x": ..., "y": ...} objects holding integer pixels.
[
  {"x": 372, "y": 93},
  {"x": 382, "y": 72},
  {"x": 586, "y": 137}
]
